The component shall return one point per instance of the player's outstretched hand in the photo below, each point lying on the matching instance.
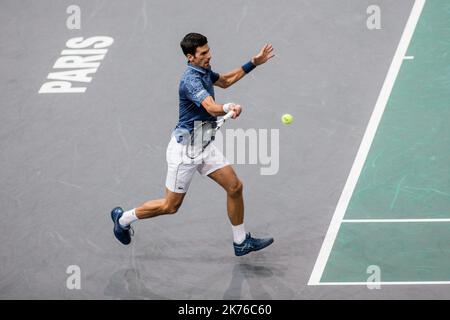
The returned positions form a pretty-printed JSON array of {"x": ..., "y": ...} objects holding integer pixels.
[{"x": 265, "y": 54}]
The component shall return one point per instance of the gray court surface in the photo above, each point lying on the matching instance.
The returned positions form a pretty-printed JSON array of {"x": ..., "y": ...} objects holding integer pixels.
[{"x": 68, "y": 159}]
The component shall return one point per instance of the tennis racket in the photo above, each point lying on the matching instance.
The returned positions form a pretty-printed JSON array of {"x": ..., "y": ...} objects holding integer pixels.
[{"x": 203, "y": 134}]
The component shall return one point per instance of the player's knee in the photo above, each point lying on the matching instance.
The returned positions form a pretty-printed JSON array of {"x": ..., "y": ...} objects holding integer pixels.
[{"x": 235, "y": 189}]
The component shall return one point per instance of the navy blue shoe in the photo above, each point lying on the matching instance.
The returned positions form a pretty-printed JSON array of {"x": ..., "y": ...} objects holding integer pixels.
[
  {"x": 122, "y": 234},
  {"x": 251, "y": 244}
]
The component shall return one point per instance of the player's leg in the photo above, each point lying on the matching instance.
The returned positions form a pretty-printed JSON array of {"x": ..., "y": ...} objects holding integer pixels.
[
  {"x": 152, "y": 208},
  {"x": 227, "y": 178},
  {"x": 122, "y": 220},
  {"x": 217, "y": 168},
  {"x": 178, "y": 179},
  {"x": 167, "y": 205}
]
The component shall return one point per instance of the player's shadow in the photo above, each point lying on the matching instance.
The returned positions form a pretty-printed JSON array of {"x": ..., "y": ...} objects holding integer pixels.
[
  {"x": 253, "y": 276},
  {"x": 127, "y": 284}
]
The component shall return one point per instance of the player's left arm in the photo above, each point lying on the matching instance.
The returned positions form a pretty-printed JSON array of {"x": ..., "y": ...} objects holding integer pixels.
[{"x": 227, "y": 79}]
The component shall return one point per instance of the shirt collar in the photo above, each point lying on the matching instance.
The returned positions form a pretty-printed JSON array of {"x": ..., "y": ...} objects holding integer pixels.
[{"x": 198, "y": 69}]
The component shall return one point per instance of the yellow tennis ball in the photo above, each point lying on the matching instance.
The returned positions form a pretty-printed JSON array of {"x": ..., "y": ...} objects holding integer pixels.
[{"x": 287, "y": 118}]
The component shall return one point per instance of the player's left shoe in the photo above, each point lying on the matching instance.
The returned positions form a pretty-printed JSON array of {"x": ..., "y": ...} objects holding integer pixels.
[
  {"x": 122, "y": 234},
  {"x": 251, "y": 244}
]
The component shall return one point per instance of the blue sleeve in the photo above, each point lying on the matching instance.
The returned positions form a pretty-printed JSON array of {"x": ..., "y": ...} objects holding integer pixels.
[
  {"x": 195, "y": 91},
  {"x": 214, "y": 76}
]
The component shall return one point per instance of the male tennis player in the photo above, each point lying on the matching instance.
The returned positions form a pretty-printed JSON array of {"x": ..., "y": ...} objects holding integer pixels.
[{"x": 197, "y": 103}]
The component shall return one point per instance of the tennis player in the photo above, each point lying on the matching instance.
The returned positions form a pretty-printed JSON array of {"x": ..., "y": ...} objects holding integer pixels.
[{"x": 196, "y": 94}]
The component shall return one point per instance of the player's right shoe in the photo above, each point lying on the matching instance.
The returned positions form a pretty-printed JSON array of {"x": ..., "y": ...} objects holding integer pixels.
[
  {"x": 122, "y": 234},
  {"x": 251, "y": 244}
]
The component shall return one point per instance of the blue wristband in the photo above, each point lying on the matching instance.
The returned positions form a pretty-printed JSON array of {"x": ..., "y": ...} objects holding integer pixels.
[{"x": 249, "y": 66}]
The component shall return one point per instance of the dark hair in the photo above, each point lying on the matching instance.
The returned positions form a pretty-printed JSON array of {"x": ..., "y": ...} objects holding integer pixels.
[{"x": 191, "y": 41}]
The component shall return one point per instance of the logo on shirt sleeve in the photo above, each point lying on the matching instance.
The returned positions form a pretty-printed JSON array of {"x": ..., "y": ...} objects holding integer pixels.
[{"x": 199, "y": 94}]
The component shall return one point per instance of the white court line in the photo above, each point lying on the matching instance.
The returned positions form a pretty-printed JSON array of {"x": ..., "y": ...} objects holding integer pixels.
[
  {"x": 408, "y": 58},
  {"x": 361, "y": 156},
  {"x": 392, "y": 220},
  {"x": 382, "y": 283}
]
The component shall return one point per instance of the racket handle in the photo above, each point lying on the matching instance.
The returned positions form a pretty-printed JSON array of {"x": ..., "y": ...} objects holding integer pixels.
[{"x": 228, "y": 115}]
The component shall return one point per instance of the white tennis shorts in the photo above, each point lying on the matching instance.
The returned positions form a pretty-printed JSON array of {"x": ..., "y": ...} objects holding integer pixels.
[{"x": 181, "y": 169}]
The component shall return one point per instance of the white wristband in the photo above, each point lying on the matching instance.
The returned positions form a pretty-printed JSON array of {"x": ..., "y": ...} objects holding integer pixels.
[{"x": 227, "y": 106}]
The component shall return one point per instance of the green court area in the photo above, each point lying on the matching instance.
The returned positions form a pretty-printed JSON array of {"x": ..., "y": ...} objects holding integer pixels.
[
  {"x": 404, "y": 251},
  {"x": 397, "y": 215}
]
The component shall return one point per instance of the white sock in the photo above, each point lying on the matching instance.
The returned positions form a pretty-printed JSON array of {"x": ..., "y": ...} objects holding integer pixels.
[
  {"x": 127, "y": 218},
  {"x": 238, "y": 233}
]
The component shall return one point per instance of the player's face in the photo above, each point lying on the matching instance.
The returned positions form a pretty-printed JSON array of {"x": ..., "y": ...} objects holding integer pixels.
[{"x": 202, "y": 57}]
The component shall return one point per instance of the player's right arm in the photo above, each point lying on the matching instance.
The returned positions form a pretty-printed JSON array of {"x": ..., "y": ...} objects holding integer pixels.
[
  {"x": 212, "y": 107},
  {"x": 216, "y": 109},
  {"x": 196, "y": 92}
]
